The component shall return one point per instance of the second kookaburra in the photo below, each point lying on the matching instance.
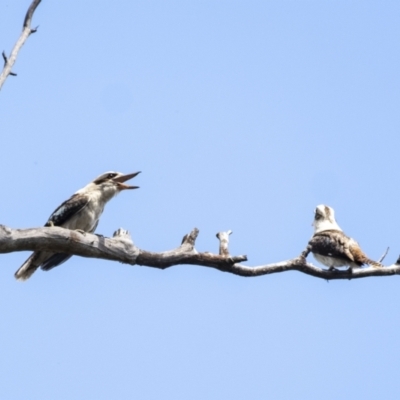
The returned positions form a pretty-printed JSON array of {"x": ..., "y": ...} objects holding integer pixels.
[
  {"x": 331, "y": 247},
  {"x": 82, "y": 212}
]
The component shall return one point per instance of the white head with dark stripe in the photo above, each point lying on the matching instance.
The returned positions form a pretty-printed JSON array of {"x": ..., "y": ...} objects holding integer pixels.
[
  {"x": 324, "y": 219},
  {"x": 109, "y": 184}
]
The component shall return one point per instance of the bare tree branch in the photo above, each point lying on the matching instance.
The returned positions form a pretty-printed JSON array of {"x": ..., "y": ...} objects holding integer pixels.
[
  {"x": 26, "y": 32},
  {"x": 300, "y": 264},
  {"x": 121, "y": 248},
  {"x": 5, "y": 63}
]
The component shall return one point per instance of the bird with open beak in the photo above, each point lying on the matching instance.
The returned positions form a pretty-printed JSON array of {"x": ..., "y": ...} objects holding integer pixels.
[{"x": 81, "y": 211}]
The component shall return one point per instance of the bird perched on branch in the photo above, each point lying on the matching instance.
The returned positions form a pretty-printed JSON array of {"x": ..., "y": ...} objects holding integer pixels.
[
  {"x": 80, "y": 212},
  {"x": 331, "y": 247}
]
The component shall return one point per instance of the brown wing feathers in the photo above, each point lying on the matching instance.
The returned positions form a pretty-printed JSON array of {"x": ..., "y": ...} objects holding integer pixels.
[{"x": 333, "y": 243}]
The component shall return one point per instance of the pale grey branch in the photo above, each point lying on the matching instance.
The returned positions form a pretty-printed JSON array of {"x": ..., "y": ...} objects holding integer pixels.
[
  {"x": 26, "y": 32},
  {"x": 300, "y": 264},
  {"x": 121, "y": 248},
  {"x": 118, "y": 248}
]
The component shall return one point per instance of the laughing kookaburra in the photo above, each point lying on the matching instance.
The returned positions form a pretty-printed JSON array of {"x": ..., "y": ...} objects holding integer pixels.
[
  {"x": 81, "y": 211},
  {"x": 331, "y": 247}
]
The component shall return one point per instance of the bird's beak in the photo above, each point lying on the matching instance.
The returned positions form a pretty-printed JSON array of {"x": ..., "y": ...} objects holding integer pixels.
[{"x": 123, "y": 178}]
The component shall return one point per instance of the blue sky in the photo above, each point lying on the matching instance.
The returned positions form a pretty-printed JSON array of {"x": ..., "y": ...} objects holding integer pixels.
[{"x": 242, "y": 116}]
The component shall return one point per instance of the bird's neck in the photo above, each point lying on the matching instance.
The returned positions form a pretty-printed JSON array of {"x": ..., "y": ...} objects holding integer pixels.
[
  {"x": 103, "y": 195},
  {"x": 326, "y": 225},
  {"x": 99, "y": 194}
]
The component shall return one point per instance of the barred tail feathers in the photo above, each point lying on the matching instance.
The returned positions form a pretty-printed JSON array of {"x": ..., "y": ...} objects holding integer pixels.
[{"x": 372, "y": 263}]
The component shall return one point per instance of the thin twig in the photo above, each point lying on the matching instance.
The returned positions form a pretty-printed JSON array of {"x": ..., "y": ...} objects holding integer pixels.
[
  {"x": 384, "y": 255},
  {"x": 26, "y": 32}
]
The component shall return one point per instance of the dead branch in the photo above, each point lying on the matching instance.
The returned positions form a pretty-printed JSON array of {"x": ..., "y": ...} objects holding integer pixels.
[
  {"x": 26, "y": 32},
  {"x": 121, "y": 248}
]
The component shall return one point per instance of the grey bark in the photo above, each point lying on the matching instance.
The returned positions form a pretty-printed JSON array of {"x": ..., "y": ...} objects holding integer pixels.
[{"x": 121, "y": 248}]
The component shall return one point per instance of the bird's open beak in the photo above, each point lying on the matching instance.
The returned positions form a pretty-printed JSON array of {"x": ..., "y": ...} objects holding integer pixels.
[{"x": 123, "y": 178}]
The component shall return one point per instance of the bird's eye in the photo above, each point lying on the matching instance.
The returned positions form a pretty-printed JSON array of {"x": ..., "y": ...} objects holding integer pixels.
[
  {"x": 318, "y": 214},
  {"x": 111, "y": 176}
]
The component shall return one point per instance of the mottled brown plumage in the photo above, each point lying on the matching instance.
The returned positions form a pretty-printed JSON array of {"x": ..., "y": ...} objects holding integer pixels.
[{"x": 331, "y": 246}]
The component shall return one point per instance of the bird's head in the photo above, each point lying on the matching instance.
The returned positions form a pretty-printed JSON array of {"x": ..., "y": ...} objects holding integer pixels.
[
  {"x": 115, "y": 179},
  {"x": 109, "y": 184},
  {"x": 324, "y": 219}
]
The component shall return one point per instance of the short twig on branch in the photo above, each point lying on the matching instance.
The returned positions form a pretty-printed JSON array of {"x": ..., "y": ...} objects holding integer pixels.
[
  {"x": 26, "y": 31},
  {"x": 223, "y": 243},
  {"x": 121, "y": 248},
  {"x": 5, "y": 63},
  {"x": 384, "y": 255}
]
